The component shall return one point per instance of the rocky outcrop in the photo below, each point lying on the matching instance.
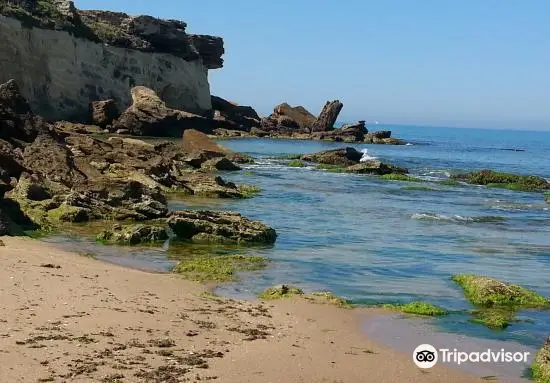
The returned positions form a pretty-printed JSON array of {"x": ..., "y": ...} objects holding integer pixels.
[
  {"x": 195, "y": 141},
  {"x": 103, "y": 113},
  {"x": 347, "y": 133},
  {"x": 244, "y": 117},
  {"x": 382, "y": 137},
  {"x": 55, "y": 176},
  {"x": 328, "y": 117},
  {"x": 215, "y": 227},
  {"x": 64, "y": 58},
  {"x": 149, "y": 116},
  {"x": 349, "y": 160}
]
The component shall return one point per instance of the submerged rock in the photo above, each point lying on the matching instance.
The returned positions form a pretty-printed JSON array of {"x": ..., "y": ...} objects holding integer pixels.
[
  {"x": 218, "y": 268},
  {"x": 417, "y": 308},
  {"x": 133, "y": 234},
  {"x": 219, "y": 227},
  {"x": 378, "y": 168},
  {"x": 541, "y": 364},
  {"x": 504, "y": 180}
]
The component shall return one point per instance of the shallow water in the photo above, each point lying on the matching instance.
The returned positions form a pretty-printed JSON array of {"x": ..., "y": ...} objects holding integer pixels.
[{"x": 374, "y": 241}]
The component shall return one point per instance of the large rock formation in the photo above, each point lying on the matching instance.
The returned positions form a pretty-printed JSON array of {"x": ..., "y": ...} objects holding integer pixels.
[
  {"x": 328, "y": 117},
  {"x": 244, "y": 117},
  {"x": 63, "y": 58},
  {"x": 51, "y": 176}
]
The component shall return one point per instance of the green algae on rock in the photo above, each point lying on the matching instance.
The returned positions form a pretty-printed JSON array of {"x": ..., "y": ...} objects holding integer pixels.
[
  {"x": 496, "y": 318},
  {"x": 541, "y": 364},
  {"x": 331, "y": 168},
  {"x": 488, "y": 292},
  {"x": 219, "y": 227},
  {"x": 218, "y": 268},
  {"x": 330, "y": 298},
  {"x": 133, "y": 234},
  {"x": 296, "y": 164},
  {"x": 547, "y": 197},
  {"x": 417, "y": 308},
  {"x": 281, "y": 291},
  {"x": 249, "y": 191},
  {"x": 510, "y": 181}
]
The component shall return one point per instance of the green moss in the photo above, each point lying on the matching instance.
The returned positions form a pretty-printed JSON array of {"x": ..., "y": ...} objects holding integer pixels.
[
  {"x": 66, "y": 213},
  {"x": 487, "y": 292},
  {"x": 496, "y": 318},
  {"x": 222, "y": 268},
  {"x": 331, "y": 168},
  {"x": 296, "y": 164},
  {"x": 248, "y": 174},
  {"x": 450, "y": 182},
  {"x": 330, "y": 298},
  {"x": 504, "y": 180},
  {"x": 289, "y": 157},
  {"x": 400, "y": 177},
  {"x": 417, "y": 308},
  {"x": 249, "y": 191},
  {"x": 541, "y": 364},
  {"x": 282, "y": 291},
  {"x": 135, "y": 234},
  {"x": 547, "y": 197}
]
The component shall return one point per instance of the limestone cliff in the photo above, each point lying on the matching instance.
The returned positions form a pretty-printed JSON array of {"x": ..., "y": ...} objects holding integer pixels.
[{"x": 64, "y": 58}]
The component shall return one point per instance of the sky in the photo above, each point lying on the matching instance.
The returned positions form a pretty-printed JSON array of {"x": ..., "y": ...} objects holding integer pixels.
[{"x": 471, "y": 63}]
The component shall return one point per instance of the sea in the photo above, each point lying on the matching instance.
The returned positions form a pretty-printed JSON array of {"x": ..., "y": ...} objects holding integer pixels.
[{"x": 375, "y": 241}]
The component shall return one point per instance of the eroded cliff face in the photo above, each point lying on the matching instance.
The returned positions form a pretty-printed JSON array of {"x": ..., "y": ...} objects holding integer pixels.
[{"x": 63, "y": 61}]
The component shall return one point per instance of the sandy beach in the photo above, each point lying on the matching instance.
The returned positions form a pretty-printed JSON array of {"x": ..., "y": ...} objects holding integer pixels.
[{"x": 70, "y": 318}]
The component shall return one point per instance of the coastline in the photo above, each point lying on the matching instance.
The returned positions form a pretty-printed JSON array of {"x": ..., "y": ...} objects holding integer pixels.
[{"x": 93, "y": 321}]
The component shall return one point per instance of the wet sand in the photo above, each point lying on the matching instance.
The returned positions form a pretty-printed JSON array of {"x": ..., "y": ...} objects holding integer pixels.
[{"x": 65, "y": 317}]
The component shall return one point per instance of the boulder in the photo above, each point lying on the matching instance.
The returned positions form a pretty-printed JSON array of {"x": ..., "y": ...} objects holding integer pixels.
[
  {"x": 328, "y": 116},
  {"x": 244, "y": 116},
  {"x": 342, "y": 157},
  {"x": 149, "y": 116},
  {"x": 219, "y": 227},
  {"x": 299, "y": 115},
  {"x": 381, "y": 134},
  {"x": 133, "y": 234},
  {"x": 220, "y": 163},
  {"x": 347, "y": 133},
  {"x": 195, "y": 141},
  {"x": 375, "y": 167},
  {"x": 103, "y": 113},
  {"x": 65, "y": 127}
]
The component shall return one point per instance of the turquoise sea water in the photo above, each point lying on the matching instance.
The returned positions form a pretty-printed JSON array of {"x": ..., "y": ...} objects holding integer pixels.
[{"x": 375, "y": 241}]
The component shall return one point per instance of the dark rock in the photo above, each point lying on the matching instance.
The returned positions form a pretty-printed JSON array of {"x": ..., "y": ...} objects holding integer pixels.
[
  {"x": 328, "y": 117},
  {"x": 210, "y": 49},
  {"x": 347, "y": 133},
  {"x": 221, "y": 163},
  {"x": 219, "y": 227},
  {"x": 382, "y": 134},
  {"x": 229, "y": 133},
  {"x": 259, "y": 132},
  {"x": 244, "y": 116},
  {"x": 343, "y": 157},
  {"x": 375, "y": 167},
  {"x": 103, "y": 113},
  {"x": 71, "y": 127},
  {"x": 299, "y": 116}
]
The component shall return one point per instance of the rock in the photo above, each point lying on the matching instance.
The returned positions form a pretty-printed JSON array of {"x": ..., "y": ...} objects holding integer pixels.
[
  {"x": 342, "y": 157},
  {"x": 195, "y": 141},
  {"x": 123, "y": 132},
  {"x": 541, "y": 364},
  {"x": 229, "y": 133},
  {"x": 149, "y": 116},
  {"x": 103, "y": 113},
  {"x": 281, "y": 291},
  {"x": 221, "y": 163},
  {"x": 219, "y": 227},
  {"x": 210, "y": 49},
  {"x": 2, "y": 244},
  {"x": 259, "y": 132},
  {"x": 133, "y": 234},
  {"x": 299, "y": 116},
  {"x": 375, "y": 167},
  {"x": 71, "y": 127},
  {"x": 382, "y": 134},
  {"x": 347, "y": 133},
  {"x": 244, "y": 116},
  {"x": 504, "y": 180},
  {"x": 4, "y": 225},
  {"x": 328, "y": 116}
]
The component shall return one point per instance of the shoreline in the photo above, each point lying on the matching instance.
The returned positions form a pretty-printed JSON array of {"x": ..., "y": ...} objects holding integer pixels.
[{"x": 89, "y": 320}]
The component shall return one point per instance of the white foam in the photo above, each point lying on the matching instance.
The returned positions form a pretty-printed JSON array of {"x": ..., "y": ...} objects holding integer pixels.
[
  {"x": 408, "y": 144},
  {"x": 366, "y": 156}
]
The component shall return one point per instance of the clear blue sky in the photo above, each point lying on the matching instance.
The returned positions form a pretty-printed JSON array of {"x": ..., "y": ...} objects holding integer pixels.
[{"x": 482, "y": 63}]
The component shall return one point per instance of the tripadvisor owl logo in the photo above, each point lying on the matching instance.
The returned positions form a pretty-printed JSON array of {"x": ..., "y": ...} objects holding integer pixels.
[{"x": 425, "y": 356}]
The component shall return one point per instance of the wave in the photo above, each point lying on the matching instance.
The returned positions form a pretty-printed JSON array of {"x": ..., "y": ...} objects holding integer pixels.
[
  {"x": 367, "y": 156},
  {"x": 409, "y": 144},
  {"x": 458, "y": 218}
]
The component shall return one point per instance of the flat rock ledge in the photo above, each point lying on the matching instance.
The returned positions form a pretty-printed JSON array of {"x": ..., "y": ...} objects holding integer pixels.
[{"x": 219, "y": 227}]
